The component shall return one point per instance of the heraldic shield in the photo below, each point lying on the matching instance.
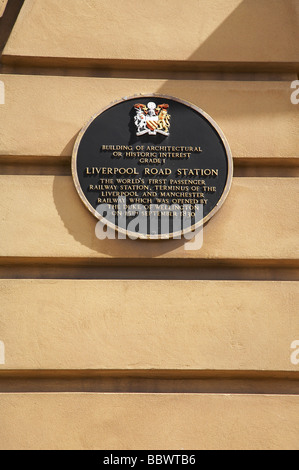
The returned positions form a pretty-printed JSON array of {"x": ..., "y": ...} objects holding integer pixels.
[{"x": 152, "y": 119}]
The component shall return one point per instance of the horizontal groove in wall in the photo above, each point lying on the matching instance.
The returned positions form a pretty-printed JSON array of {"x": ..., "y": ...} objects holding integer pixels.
[
  {"x": 61, "y": 166},
  {"x": 231, "y": 382},
  {"x": 150, "y": 74},
  {"x": 28, "y": 165},
  {"x": 150, "y": 262},
  {"x": 151, "y": 65},
  {"x": 204, "y": 271}
]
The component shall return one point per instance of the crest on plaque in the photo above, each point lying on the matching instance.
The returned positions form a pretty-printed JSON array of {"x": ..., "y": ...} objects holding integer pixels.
[{"x": 152, "y": 119}]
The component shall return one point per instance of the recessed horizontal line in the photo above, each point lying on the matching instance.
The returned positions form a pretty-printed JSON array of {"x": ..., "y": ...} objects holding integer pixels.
[
  {"x": 94, "y": 65},
  {"x": 180, "y": 381},
  {"x": 148, "y": 74},
  {"x": 117, "y": 270}
]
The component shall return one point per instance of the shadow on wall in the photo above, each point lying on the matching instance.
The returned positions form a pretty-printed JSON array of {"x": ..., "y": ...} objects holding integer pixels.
[
  {"x": 81, "y": 224},
  {"x": 8, "y": 20},
  {"x": 252, "y": 27}
]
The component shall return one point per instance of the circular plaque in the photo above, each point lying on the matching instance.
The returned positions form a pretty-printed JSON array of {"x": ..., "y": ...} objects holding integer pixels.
[{"x": 146, "y": 164}]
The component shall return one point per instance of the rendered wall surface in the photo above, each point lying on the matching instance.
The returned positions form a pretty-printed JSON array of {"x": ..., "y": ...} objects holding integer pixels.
[
  {"x": 198, "y": 31},
  {"x": 122, "y": 344}
]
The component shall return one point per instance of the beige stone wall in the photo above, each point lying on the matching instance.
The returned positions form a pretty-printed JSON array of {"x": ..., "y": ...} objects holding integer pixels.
[
  {"x": 146, "y": 345},
  {"x": 145, "y": 421},
  {"x": 197, "y": 31}
]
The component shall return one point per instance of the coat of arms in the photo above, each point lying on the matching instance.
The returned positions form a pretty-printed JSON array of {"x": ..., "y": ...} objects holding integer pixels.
[{"x": 152, "y": 119}]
